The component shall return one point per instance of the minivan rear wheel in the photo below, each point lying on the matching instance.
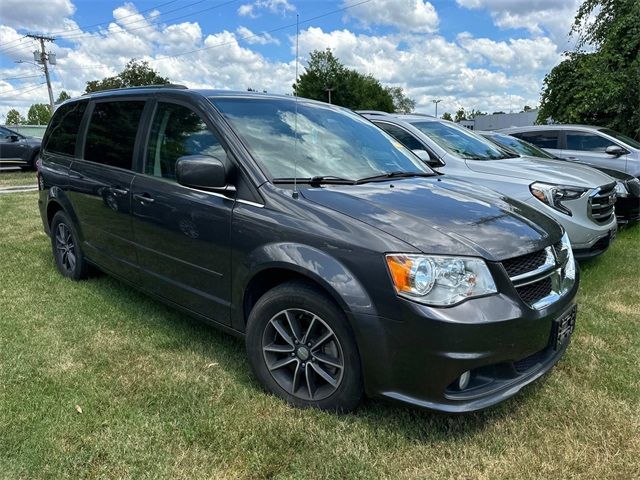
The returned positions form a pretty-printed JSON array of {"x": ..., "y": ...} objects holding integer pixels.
[
  {"x": 66, "y": 248},
  {"x": 301, "y": 348}
]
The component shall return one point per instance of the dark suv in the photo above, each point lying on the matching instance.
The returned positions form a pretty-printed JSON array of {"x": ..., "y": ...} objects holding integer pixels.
[{"x": 348, "y": 266}]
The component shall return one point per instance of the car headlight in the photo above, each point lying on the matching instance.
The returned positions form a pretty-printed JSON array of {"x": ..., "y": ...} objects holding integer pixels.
[
  {"x": 621, "y": 190},
  {"x": 554, "y": 195},
  {"x": 439, "y": 280}
]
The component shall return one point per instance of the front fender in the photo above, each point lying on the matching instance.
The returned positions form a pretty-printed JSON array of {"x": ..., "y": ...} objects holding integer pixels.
[{"x": 317, "y": 265}]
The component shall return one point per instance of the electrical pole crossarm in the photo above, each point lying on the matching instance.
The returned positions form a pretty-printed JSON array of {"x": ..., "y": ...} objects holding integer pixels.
[{"x": 44, "y": 59}]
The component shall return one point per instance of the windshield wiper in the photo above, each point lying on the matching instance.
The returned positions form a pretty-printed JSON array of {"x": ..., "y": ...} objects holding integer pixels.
[
  {"x": 397, "y": 174},
  {"x": 317, "y": 180}
]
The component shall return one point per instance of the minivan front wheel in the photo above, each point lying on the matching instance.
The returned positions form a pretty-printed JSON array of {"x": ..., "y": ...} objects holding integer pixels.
[
  {"x": 66, "y": 248},
  {"x": 302, "y": 349}
]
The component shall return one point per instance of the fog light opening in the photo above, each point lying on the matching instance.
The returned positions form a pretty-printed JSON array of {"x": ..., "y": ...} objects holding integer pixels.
[{"x": 463, "y": 381}]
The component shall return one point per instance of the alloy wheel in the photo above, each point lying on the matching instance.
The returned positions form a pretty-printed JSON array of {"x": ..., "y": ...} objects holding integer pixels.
[
  {"x": 303, "y": 354},
  {"x": 65, "y": 247}
]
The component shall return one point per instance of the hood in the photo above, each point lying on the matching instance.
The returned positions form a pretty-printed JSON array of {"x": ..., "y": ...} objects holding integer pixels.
[
  {"x": 443, "y": 216},
  {"x": 542, "y": 170}
]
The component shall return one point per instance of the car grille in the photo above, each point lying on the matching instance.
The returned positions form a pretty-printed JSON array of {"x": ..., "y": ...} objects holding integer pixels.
[
  {"x": 525, "y": 263},
  {"x": 535, "y": 291},
  {"x": 533, "y": 275},
  {"x": 602, "y": 203}
]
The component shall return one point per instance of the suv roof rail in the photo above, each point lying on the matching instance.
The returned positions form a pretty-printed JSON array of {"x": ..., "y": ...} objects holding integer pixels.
[
  {"x": 372, "y": 112},
  {"x": 164, "y": 85}
]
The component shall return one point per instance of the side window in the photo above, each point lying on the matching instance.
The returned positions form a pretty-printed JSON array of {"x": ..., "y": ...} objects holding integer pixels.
[
  {"x": 404, "y": 137},
  {"x": 587, "y": 142},
  {"x": 112, "y": 133},
  {"x": 177, "y": 131},
  {"x": 544, "y": 139},
  {"x": 62, "y": 133}
]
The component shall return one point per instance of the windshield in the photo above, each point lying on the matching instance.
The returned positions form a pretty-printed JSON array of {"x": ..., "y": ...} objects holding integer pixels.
[
  {"x": 518, "y": 146},
  {"x": 461, "y": 142},
  {"x": 331, "y": 141},
  {"x": 623, "y": 138}
]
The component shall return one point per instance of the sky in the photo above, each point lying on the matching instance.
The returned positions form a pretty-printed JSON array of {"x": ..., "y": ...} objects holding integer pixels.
[{"x": 490, "y": 55}]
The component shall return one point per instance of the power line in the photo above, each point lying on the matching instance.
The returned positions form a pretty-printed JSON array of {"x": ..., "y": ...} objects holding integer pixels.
[
  {"x": 20, "y": 78},
  {"x": 155, "y": 21},
  {"x": 62, "y": 32},
  {"x": 29, "y": 88}
]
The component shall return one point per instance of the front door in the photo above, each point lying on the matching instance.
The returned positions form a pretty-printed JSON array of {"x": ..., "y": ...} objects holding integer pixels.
[
  {"x": 591, "y": 148},
  {"x": 182, "y": 234},
  {"x": 100, "y": 186}
]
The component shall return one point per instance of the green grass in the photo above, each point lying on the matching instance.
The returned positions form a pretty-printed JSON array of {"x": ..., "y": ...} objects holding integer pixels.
[
  {"x": 17, "y": 178},
  {"x": 163, "y": 396}
]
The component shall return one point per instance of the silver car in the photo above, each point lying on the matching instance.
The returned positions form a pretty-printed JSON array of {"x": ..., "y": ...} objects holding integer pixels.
[
  {"x": 597, "y": 146},
  {"x": 577, "y": 196}
]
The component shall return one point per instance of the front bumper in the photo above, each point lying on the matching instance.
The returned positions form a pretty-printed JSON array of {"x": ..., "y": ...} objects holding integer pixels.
[{"x": 417, "y": 357}]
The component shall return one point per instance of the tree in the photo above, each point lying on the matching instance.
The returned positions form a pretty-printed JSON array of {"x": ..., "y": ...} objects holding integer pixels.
[
  {"x": 401, "y": 102},
  {"x": 527, "y": 108},
  {"x": 325, "y": 77},
  {"x": 500, "y": 112},
  {"x": 447, "y": 116},
  {"x": 600, "y": 86},
  {"x": 62, "y": 97},
  {"x": 14, "y": 117},
  {"x": 460, "y": 115},
  {"x": 39, "y": 114},
  {"x": 135, "y": 74}
]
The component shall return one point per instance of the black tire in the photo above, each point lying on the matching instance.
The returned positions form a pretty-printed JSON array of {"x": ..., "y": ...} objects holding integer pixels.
[
  {"x": 66, "y": 248},
  {"x": 307, "y": 370}
]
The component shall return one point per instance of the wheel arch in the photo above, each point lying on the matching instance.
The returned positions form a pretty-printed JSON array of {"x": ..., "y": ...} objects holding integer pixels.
[{"x": 277, "y": 264}]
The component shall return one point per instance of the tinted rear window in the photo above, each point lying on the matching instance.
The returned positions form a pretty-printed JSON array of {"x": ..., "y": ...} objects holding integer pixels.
[
  {"x": 62, "y": 133},
  {"x": 545, "y": 139},
  {"x": 112, "y": 133}
]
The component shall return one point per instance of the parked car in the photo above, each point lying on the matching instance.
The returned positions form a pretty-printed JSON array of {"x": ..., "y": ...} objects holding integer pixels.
[
  {"x": 580, "y": 198},
  {"x": 597, "y": 146},
  {"x": 347, "y": 265},
  {"x": 17, "y": 150},
  {"x": 627, "y": 206}
]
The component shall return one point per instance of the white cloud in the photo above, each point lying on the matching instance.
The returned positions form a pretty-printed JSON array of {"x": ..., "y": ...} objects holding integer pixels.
[
  {"x": 274, "y": 6},
  {"x": 248, "y": 36},
  {"x": 405, "y": 15},
  {"x": 38, "y": 15},
  {"x": 553, "y": 17}
]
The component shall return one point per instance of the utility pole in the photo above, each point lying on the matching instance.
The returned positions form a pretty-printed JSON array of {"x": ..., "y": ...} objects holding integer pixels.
[
  {"x": 44, "y": 59},
  {"x": 437, "y": 102}
]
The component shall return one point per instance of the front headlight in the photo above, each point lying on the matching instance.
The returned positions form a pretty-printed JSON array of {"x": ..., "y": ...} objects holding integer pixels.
[
  {"x": 621, "y": 190},
  {"x": 554, "y": 195},
  {"x": 439, "y": 280}
]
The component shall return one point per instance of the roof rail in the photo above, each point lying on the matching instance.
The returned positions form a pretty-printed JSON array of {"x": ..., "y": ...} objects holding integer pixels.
[
  {"x": 372, "y": 112},
  {"x": 165, "y": 85}
]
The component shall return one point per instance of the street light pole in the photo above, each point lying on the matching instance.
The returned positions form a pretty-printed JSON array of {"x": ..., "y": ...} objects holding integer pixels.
[
  {"x": 329, "y": 90},
  {"x": 436, "y": 101}
]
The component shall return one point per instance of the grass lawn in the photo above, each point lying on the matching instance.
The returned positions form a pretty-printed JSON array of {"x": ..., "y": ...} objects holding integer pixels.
[
  {"x": 17, "y": 178},
  {"x": 164, "y": 396}
]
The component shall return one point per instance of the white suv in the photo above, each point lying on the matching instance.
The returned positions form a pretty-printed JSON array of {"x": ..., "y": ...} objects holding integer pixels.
[{"x": 597, "y": 146}]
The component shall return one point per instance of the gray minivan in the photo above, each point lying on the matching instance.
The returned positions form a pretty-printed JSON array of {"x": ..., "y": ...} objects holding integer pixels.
[
  {"x": 346, "y": 264},
  {"x": 597, "y": 146}
]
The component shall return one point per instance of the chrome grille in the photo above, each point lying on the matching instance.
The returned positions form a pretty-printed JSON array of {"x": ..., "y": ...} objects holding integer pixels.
[
  {"x": 601, "y": 203},
  {"x": 525, "y": 263}
]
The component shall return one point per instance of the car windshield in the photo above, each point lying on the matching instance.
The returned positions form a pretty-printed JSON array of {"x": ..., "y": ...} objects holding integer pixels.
[
  {"x": 623, "y": 138},
  {"x": 330, "y": 141},
  {"x": 518, "y": 146},
  {"x": 462, "y": 142}
]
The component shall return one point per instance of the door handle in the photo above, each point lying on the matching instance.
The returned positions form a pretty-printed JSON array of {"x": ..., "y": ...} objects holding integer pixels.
[
  {"x": 144, "y": 198},
  {"x": 120, "y": 191}
]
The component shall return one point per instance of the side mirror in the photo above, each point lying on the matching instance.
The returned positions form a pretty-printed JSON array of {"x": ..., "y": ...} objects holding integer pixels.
[
  {"x": 426, "y": 158},
  {"x": 14, "y": 138},
  {"x": 615, "y": 150},
  {"x": 203, "y": 172}
]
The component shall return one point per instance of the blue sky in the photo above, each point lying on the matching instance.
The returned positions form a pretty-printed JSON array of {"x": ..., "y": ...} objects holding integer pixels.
[{"x": 485, "y": 54}]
